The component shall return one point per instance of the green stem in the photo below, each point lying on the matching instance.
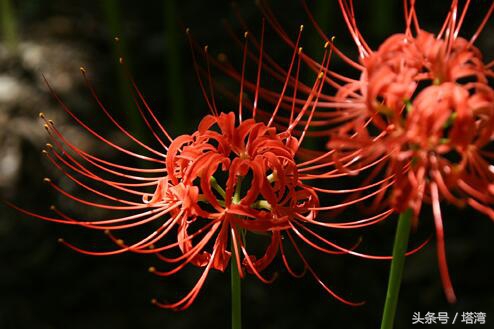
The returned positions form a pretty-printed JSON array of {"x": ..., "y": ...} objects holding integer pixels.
[
  {"x": 262, "y": 204},
  {"x": 235, "y": 276},
  {"x": 397, "y": 265},
  {"x": 238, "y": 189},
  {"x": 217, "y": 187},
  {"x": 236, "y": 294},
  {"x": 9, "y": 25}
]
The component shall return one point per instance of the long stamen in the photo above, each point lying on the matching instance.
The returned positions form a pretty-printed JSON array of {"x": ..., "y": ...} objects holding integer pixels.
[
  {"x": 198, "y": 75},
  {"x": 242, "y": 78},
  {"x": 482, "y": 25},
  {"x": 91, "y": 131},
  {"x": 210, "y": 80},
  {"x": 309, "y": 268},
  {"x": 288, "y": 76},
  {"x": 441, "y": 252},
  {"x": 259, "y": 68},
  {"x": 112, "y": 119}
]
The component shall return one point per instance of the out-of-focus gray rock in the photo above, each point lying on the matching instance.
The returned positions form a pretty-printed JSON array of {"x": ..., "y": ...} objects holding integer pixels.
[{"x": 24, "y": 94}]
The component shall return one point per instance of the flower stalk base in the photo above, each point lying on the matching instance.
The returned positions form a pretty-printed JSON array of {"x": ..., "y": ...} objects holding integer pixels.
[
  {"x": 397, "y": 265},
  {"x": 236, "y": 295}
]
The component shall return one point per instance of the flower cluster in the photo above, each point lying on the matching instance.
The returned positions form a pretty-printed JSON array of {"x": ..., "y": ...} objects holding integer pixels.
[{"x": 421, "y": 114}]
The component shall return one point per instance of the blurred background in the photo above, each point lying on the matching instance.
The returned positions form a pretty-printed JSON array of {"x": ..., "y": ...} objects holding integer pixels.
[{"x": 44, "y": 285}]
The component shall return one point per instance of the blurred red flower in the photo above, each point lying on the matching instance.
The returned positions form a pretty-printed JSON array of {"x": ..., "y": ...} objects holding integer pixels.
[
  {"x": 419, "y": 121},
  {"x": 231, "y": 179}
]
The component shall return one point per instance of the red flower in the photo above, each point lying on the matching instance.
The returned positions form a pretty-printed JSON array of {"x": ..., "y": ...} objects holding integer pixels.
[
  {"x": 235, "y": 179},
  {"x": 421, "y": 117},
  {"x": 213, "y": 189}
]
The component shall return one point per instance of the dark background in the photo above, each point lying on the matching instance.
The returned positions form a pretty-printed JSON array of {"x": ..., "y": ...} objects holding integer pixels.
[{"x": 44, "y": 285}]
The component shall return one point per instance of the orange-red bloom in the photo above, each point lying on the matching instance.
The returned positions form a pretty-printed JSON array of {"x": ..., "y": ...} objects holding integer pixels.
[
  {"x": 233, "y": 179},
  {"x": 204, "y": 195},
  {"x": 420, "y": 117}
]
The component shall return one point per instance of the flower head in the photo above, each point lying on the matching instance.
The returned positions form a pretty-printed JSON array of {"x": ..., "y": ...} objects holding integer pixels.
[
  {"x": 205, "y": 194},
  {"x": 271, "y": 195},
  {"x": 421, "y": 115}
]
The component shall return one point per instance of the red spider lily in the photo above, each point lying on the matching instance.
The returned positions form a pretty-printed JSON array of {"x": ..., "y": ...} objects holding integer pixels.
[
  {"x": 419, "y": 120},
  {"x": 213, "y": 189}
]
